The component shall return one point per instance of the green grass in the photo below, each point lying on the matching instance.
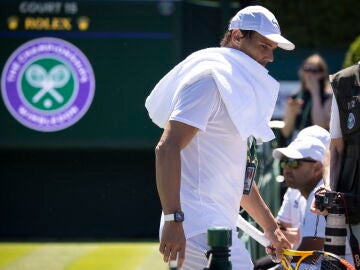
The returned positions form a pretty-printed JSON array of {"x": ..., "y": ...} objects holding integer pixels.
[
  {"x": 10, "y": 252},
  {"x": 80, "y": 256}
]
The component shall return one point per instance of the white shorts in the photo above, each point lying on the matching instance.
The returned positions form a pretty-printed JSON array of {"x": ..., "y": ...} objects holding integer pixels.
[{"x": 196, "y": 248}]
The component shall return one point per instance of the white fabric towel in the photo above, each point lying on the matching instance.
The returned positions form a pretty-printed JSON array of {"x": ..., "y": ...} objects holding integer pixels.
[{"x": 247, "y": 90}]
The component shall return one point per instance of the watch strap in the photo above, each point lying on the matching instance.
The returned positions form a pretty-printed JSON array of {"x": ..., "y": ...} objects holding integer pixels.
[
  {"x": 178, "y": 216},
  {"x": 169, "y": 217}
]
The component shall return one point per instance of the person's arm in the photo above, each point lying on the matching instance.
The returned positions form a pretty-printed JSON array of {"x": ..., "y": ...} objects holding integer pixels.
[
  {"x": 286, "y": 219},
  {"x": 259, "y": 211},
  {"x": 320, "y": 113},
  {"x": 293, "y": 107},
  {"x": 336, "y": 157},
  {"x": 292, "y": 234},
  {"x": 168, "y": 169},
  {"x": 336, "y": 154},
  {"x": 336, "y": 146}
]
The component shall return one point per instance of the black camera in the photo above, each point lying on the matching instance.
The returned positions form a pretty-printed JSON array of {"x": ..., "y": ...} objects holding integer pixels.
[{"x": 328, "y": 200}]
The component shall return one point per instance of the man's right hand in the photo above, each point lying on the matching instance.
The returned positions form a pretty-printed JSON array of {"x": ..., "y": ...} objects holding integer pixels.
[
  {"x": 172, "y": 243},
  {"x": 313, "y": 207},
  {"x": 278, "y": 241}
]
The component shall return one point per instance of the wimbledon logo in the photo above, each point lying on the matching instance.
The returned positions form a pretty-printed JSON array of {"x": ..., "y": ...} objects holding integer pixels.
[{"x": 47, "y": 84}]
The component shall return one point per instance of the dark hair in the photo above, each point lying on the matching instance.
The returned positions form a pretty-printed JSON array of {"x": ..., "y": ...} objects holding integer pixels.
[
  {"x": 226, "y": 39},
  {"x": 227, "y": 36}
]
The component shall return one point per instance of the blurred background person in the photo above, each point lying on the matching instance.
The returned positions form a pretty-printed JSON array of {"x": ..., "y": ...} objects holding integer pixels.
[{"x": 311, "y": 105}]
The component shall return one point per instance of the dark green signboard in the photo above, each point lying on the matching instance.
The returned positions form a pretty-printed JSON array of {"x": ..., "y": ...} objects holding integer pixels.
[{"x": 127, "y": 45}]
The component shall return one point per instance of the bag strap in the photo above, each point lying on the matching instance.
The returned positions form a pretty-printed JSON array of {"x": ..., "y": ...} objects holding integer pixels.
[{"x": 354, "y": 243}]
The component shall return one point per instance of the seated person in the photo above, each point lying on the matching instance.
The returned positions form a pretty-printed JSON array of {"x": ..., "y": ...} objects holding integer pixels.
[{"x": 303, "y": 167}]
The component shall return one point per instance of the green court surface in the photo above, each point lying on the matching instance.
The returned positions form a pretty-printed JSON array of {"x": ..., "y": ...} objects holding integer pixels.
[{"x": 80, "y": 256}]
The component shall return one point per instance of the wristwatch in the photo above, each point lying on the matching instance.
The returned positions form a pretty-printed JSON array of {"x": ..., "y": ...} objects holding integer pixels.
[{"x": 178, "y": 216}]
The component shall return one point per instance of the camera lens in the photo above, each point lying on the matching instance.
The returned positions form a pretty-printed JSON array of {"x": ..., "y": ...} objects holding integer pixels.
[{"x": 335, "y": 234}]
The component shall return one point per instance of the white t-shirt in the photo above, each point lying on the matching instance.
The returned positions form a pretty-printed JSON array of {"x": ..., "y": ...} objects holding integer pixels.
[
  {"x": 335, "y": 128},
  {"x": 213, "y": 163},
  {"x": 292, "y": 208},
  {"x": 295, "y": 210}
]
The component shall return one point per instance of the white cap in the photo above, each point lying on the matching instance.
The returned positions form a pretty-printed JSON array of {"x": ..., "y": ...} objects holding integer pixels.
[
  {"x": 316, "y": 132},
  {"x": 311, "y": 142},
  {"x": 261, "y": 20}
]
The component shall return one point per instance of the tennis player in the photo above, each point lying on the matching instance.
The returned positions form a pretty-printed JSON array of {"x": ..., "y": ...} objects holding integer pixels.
[{"x": 209, "y": 105}]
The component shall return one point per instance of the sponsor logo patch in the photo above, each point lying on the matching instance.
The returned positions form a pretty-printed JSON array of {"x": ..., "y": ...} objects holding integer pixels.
[{"x": 351, "y": 121}]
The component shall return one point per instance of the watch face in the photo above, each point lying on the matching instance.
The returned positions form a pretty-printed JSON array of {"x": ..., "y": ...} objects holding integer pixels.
[{"x": 179, "y": 216}]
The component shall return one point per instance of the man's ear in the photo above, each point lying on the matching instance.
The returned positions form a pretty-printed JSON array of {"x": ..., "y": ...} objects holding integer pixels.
[
  {"x": 236, "y": 36},
  {"x": 318, "y": 168}
]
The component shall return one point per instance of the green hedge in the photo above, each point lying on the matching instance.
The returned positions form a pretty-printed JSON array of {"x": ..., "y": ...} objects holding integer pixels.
[{"x": 353, "y": 54}]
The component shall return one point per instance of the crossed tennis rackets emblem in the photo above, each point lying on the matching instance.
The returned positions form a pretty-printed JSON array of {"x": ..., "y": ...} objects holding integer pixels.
[{"x": 48, "y": 82}]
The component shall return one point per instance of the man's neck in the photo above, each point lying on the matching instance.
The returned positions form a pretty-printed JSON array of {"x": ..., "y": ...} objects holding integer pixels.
[{"x": 306, "y": 190}]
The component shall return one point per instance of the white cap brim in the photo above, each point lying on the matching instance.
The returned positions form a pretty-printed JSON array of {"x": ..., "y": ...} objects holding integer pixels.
[{"x": 282, "y": 42}]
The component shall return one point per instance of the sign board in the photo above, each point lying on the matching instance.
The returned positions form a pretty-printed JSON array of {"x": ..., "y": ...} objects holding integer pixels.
[{"x": 122, "y": 48}]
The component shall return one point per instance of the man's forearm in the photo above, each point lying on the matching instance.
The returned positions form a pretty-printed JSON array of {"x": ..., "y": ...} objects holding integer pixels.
[
  {"x": 176, "y": 136},
  {"x": 258, "y": 210},
  {"x": 289, "y": 121},
  {"x": 168, "y": 178},
  {"x": 320, "y": 113}
]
